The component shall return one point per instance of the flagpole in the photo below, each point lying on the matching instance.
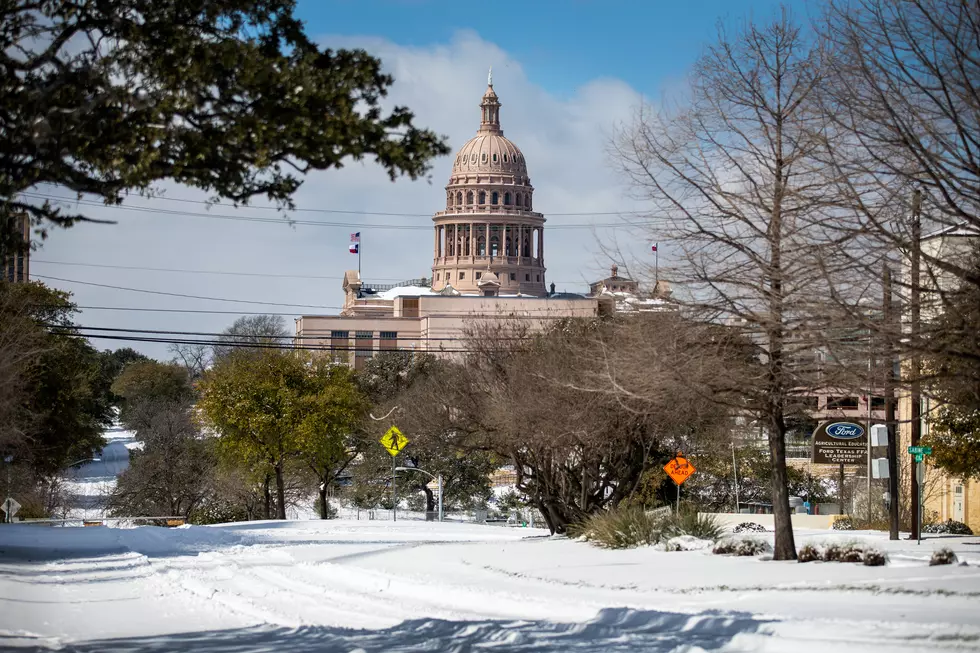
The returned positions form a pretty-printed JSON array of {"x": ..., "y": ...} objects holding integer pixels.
[
  {"x": 656, "y": 269},
  {"x": 359, "y": 256}
]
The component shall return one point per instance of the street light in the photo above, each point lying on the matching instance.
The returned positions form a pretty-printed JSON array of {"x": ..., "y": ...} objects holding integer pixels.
[{"x": 437, "y": 479}]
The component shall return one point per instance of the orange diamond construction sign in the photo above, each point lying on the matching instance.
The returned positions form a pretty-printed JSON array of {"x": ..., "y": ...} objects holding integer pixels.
[{"x": 679, "y": 469}]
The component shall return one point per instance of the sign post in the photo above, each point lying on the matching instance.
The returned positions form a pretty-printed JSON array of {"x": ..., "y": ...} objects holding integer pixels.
[
  {"x": 920, "y": 454},
  {"x": 679, "y": 469},
  {"x": 10, "y": 506},
  {"x": 393, "y": 441}
]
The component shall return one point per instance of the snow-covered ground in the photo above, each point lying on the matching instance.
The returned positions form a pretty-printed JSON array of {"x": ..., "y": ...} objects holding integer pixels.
[
  {"x": 89, "y": 484},
  {"x": 347, "y": 585}
]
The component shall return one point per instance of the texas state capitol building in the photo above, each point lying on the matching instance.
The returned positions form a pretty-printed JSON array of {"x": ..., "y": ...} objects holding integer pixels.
[{"x": 487, "y": 264}]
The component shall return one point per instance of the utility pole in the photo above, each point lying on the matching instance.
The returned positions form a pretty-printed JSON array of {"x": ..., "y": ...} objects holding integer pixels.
[
  {"x": 915, "y": 389},
  {"x": 889, "y": 392}
]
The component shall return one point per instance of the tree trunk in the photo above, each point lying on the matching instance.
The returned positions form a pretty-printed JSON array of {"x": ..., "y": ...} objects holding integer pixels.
[
  {"x": 324, "y": 506},
  {"x": 267, "y": 492},
  {"x": 280, "y": 493},
  {"x": 430, "y": 499},
  {"x": 785, "y": 545}
]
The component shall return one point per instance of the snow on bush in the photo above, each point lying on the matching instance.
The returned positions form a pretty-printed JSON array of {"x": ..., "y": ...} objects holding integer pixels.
[
  {"x": 702, "y": 527},
  {"x": 948, "y": 527},
  {"x": 943, "y": 556},
  {"x": 749, "y": 527},
  {"x": 747, "y": 546},
  {"x": 843, "y": 523},
  {"x": 853, "y": 552},
  {"x": 687, "y": 543}
]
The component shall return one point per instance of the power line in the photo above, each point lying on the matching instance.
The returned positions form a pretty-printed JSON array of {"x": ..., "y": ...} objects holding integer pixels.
[
  {"x": 219, "y": 272},
  {"x": 246, "y": 345},
  {"x": 230, "y": 337},
  {"x": 298, "y": 210},
  {"x": 172, "y": 294}
]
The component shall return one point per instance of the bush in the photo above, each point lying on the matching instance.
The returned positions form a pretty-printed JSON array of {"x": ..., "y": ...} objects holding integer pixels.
[
  {"x": 808, "y": 553},
  {"x": 942, "y": 556},
  {"x": 749, "y": 527},
  {"x": 687, "y": 543},
  {"x": 874, "y": 558},
  {"x": 702, "y": 527},
  {"x": 843, "y": 523},
  {"x": 620, "y": 528},
  {"x": 741, "y": 547},
  {"x": 948, "y": 527},
  {"x": 853, "y": 552}
]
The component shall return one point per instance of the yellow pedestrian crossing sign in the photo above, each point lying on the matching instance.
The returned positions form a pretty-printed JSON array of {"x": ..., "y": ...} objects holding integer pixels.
[{"x": 393, "y": 440}]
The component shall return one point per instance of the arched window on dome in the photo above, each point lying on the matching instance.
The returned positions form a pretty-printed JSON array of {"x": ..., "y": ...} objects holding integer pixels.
[
  {"x": 484, "y": 157},
  {"x": 459, "y": 198},
  {"x": 483, "y": 197},
  {"x": 469, "y": 197},
  {"x": 527, "y": 200},
  {"x": 494, "y": 246},
  {"x": 505, "y": 158},
  {"x": 494, "y": 158},
  {"x": 494, "y": 197},
  {"x": 506, "y": 199},
  {"x": 481, "y": 246},
  {"x": 473, "y": 158}
]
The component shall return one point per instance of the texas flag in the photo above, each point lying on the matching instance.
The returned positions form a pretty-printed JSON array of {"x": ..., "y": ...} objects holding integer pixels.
[
  {"x": 355, "y": 242},
  {"x": 653, "y": 247}
]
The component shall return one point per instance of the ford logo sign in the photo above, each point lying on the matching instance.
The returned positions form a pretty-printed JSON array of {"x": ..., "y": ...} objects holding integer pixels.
[{"x": 845, "y": 430}]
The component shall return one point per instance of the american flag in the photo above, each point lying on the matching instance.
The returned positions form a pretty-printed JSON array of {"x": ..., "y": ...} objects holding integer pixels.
[{"x": 355, "y": 243}]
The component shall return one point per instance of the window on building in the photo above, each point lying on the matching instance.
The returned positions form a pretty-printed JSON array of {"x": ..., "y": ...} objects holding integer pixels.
[
  {"x": 506, "y": 199},
  {"x": 363, "y": 347},
  {"x": 527, "y": 277},
  {"x": 459, "y": 198},
  {"x": 340, "y": 346},
  {"x": 539, "y": 277},
  {"x": 481, "y": 246},
  {"x": 877, "y": 403},
  {"x": 469, "y": 197},
  {"x": 483, "y": 197},
  {"x": 488, "y": 293},
  {"x": 462, "y": 275},
  {"x": 437, "y": 276},
  {"x": 527, "y": 247},
  {"x": 479, "y": 275},
  {"x": 513, "y": 276},
  {"x": 410, "y": 305},
  {"x": 494, "y": 197},
  {"x": 842, "y": 403},
  {"x": 388, "y": 340},
  {"x": 505, "y": 158},
  {"x": 494, "y": 158}
]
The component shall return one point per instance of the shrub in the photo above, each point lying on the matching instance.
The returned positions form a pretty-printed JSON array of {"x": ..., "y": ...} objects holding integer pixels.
[
  {"x": 852, "y": 554},
  {"x": 843, "y": 523},
  {"x": 942, "y": 556},
  {"x": 808, "y": 553},
  {"x": 874, "y": 558},
  {"x": 749, "y": 527},
  {"x": 741, "y": 547},
  {"x": 948, "y": 527},
  {"x": 620, "y": 528},
  {"x": 702, "y": 527},
  {"x": 833, "y": 553},
  {"x": 687, "y": 543}
]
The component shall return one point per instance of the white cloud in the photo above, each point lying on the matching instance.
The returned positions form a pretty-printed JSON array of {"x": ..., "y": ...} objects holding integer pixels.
[{"x": 563, "y": 139}]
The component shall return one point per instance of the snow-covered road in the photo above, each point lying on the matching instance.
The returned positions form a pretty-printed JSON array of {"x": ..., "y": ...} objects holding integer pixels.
[{"x": 348, "y": 585}]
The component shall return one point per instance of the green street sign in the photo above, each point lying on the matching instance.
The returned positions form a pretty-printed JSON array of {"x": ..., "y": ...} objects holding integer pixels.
[
  {"x": 920, "y": 451},
  {"x": 919, "y": 457}
]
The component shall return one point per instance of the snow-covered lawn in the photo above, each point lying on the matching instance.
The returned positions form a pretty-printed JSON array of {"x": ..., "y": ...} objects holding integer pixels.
[{"x": 347, "y": 585}]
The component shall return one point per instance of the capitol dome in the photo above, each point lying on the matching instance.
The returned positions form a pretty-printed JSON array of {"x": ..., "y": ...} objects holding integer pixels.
[{"x": 488, "y": 231}]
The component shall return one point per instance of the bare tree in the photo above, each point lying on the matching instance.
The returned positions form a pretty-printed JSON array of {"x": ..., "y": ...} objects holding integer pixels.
[
  {"x": 735, "y": 191},
  {"x": 259, "y": 330}
]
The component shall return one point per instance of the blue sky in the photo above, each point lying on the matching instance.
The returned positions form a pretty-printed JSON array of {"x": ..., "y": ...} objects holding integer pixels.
[{"x": 562, "y": 44}]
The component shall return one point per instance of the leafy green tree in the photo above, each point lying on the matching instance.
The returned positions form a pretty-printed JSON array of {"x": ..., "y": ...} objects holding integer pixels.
[
  {"x": 953, "y": 359},
  {"x": 271, "y": 407},
  {"x": 148, "y": 386},
  {"x": 330, "y": 435},
  {"x": 233, "y": 98}
]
